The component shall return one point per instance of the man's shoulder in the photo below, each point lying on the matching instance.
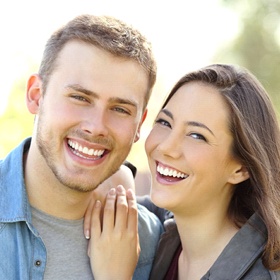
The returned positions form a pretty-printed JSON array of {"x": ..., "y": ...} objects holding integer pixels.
[
  {"x": 14, "y": 158},
  {"x": 148, "y": 220},
  {"x": 149, "y": 230},
  {"x": 13, "y": 201}
]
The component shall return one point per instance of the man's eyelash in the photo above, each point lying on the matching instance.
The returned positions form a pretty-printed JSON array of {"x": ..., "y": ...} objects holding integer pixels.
[
  {"x": 79, "y": 97},
  {"x": 121, "y": 110}
]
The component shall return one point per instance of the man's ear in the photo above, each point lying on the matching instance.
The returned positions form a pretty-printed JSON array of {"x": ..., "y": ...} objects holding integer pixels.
[
  {"x": 239, "y": 175},
  {"x": 33, "y": 93},
  {"x": 137, "y": 135}
]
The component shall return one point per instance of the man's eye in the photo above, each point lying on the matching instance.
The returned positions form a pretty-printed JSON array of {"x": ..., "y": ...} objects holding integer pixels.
[
  {"x": 79, "y": 97},
  {"x": 121, "y": 110},
  {"x": 163, "y": 122}
]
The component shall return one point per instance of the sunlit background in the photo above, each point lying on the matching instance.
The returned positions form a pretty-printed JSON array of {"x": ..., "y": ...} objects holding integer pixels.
[{"x": 185, "y": 35}]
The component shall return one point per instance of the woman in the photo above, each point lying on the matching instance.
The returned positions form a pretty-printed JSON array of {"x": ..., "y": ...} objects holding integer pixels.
[{"x": 214, "y": 155}]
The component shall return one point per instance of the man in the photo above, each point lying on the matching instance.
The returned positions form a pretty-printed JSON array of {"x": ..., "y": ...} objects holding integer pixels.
[{"x": 89, "y": 98}]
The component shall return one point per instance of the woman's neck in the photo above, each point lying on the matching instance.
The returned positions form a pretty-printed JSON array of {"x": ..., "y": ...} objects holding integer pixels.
[{"x": 203, "y": 239}]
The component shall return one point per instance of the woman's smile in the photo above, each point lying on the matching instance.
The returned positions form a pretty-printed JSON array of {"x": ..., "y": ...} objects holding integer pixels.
[{"x": 169, "y": 174}]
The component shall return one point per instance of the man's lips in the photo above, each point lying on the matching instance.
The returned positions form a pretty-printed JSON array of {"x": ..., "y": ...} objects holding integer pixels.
[{"x": 84, "y": 151}]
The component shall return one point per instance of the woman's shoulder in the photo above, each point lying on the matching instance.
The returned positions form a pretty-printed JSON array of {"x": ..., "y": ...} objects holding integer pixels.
[{"x": 258, "y": 272}]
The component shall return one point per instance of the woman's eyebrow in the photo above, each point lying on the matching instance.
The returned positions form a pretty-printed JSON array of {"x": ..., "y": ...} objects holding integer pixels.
[
  {"x": 199, "y": 124},
  {"x": 168, "y": 113},
  {"x": 188, "y": 123}
]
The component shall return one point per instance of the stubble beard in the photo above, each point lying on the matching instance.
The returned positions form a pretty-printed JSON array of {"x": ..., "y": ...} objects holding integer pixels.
[{"x": 48, "y": 152}]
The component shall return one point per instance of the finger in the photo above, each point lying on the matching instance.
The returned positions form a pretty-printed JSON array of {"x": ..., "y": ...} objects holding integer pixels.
[
  {"x": 109, "y": 211},
  {"x": 122, "y": 209},
  {"x": 132, "y": 220},
  {"x": 96, "y": 227},
  {"x": 87, "y": 219}
]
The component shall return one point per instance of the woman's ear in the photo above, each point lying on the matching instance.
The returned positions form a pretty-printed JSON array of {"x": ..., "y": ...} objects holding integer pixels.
[
  {"x": 239, "y": 175},
  {"x": 33, "y": 93}
]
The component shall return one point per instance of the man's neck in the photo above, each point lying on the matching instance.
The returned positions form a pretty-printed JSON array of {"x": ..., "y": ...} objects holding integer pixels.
[{"x": 47, "y": 194}]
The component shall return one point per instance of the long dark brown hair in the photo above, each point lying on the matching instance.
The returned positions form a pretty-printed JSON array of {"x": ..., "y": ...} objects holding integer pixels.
[{"x": 256, "y": 144}]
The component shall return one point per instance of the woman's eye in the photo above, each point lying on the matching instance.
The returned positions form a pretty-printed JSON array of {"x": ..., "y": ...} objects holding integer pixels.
[
  {"x": 163, "y": 122},
  {"x": 197, "y": 136}
]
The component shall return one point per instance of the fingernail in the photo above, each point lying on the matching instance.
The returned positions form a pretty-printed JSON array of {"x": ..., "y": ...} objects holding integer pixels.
[
  {"x": 131, "y": 191},
  {"x": 97, "y": 203},
  {"x": 87, "y": 234},
  {"x": 112, "y": 191},
  {"x": 120, "y": 188},
  {"x": 130, "y": 194}
]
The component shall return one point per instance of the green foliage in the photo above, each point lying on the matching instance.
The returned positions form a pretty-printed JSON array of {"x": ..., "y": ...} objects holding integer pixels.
[
  {"x": 16, "y": 122},
  {"x": 257, "y": 47}
]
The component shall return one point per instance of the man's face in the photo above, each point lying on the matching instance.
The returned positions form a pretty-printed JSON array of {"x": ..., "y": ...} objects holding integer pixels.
[{"x": 90, "y": 114}]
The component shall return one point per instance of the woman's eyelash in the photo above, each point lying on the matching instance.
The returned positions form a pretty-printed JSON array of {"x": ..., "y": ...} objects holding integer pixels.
[
  {"x": 194, "y": 135},
  {"x": 197, "y": 136},
  {"x": 163, "y": 122}
]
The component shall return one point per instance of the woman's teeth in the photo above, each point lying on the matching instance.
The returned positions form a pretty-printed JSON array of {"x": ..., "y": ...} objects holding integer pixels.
[{"x": 170, "y": 172}]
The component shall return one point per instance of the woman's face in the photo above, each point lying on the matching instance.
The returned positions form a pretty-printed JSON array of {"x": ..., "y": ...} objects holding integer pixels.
[{"x": 189, "y": 152}]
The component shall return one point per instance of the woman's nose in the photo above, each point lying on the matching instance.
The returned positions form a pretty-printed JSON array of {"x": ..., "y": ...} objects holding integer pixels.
[{"x": 170, "y": 146}]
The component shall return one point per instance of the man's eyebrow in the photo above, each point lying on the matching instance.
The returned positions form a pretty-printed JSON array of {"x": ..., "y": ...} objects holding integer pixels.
[
  {"x": 88, "y": 92},
  {"x": 125, "y": 101},
  {"x": 188, "y": 123},
  {"x": 79, "y": 88}
]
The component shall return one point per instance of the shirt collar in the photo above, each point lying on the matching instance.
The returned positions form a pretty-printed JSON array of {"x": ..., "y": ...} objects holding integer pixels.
[
  {"x": 14, "y": 205},
  {"x": 241, "y": 252}
]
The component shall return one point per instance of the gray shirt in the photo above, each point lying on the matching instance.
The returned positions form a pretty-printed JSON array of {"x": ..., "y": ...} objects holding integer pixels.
[{"x": 66, "y": 247}]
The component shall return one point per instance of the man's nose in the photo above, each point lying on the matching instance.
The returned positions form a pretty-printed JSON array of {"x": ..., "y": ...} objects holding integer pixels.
[{"x": 96, "y": 122}]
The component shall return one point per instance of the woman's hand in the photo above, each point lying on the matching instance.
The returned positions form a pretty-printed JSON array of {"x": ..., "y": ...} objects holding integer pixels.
[
  {"x": 114, "y": 245},
  {"x": 122, "y": 177}
]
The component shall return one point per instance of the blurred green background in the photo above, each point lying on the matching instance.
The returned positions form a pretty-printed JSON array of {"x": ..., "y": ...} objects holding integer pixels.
[{"x": 185, "y": 36}]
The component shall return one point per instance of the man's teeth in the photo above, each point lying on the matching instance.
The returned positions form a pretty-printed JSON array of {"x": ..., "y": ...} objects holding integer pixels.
[
  {"x": 170, "y": 172},
  {"x": 91, "y": 152}
]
